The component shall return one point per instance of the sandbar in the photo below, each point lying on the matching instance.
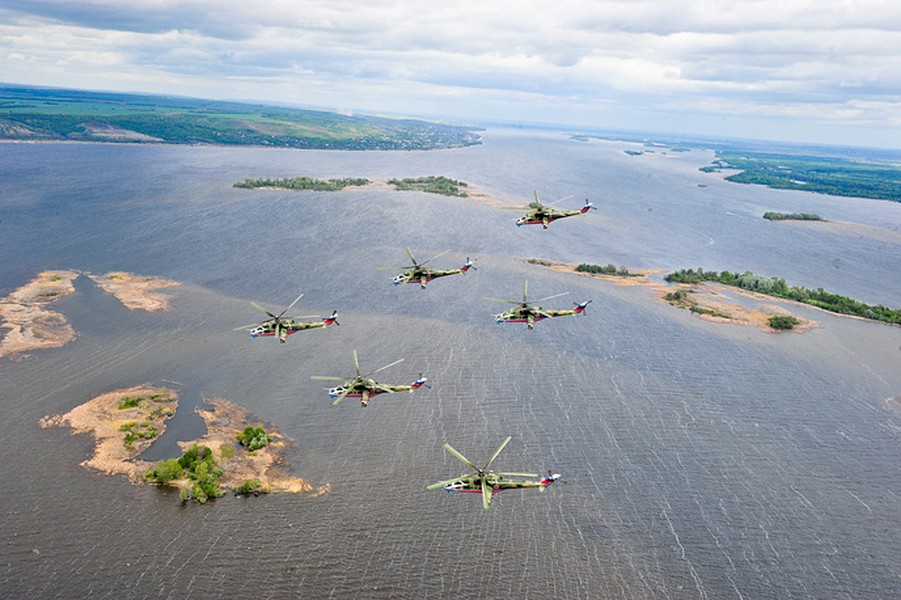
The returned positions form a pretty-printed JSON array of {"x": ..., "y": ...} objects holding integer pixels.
[
  {"x": 31, "y": 324},
  {"x": 135, "y": 292}
]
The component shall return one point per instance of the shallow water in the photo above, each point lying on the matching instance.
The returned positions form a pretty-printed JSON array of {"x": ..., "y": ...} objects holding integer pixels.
[{"x": 699, "y": 460}]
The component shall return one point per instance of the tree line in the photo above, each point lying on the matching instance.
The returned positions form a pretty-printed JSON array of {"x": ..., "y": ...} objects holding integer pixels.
[{"x": 774, "y": 286}]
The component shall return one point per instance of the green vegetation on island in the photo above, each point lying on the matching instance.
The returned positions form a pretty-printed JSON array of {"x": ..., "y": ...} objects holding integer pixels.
[
  {"x": 432, "y": 184},
  {"x": 610, "y": 269},
  {"x": 198, "y": 465},
  {"x": 302, "y": 183},
  {"x": 778, "y": 216},
  {"x": 825, "y": 175},
  {"x": 783, "y": 322},
  {"x": 253, "y": 438},
  {"x": 773, "y": 286},
  {"x": 683, "y": 299},
  {"x": 28, "y": 113}
]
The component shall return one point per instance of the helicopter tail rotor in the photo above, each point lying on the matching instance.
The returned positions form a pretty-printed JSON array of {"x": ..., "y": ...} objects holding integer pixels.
[
  {"x": 332, "y": 318},
  {"x": 420, "y": 382},
  {"x": 587, "y": 206},
  {"x": 580, "y": 308}
]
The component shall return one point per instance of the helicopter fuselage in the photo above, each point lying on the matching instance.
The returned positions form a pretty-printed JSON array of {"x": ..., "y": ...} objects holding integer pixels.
[{"x": 498, "y": 485}]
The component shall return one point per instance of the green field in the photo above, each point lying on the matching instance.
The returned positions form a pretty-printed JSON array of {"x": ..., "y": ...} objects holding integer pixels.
[{"x": 66, "y": 115}]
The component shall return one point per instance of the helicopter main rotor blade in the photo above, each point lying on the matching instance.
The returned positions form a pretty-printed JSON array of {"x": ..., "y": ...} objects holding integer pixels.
[
  {"x": 356, "y": 364},
  {"x": 550, "y": 297},
  {"x": 263, "y": 310},
  {"x": 555, "y": 202},
  {"x": 325, "y": 378},
  {"x": 410, "y": 254},
  {"x": 460, "y": 457},
  {"x": 499, "y": 300},
  {"x": 434, "y": 257},
  {"x": 496, "y": 452},
  {"x": 251, "y": 326},
  {"x": 400, "y": 360},
  {"x": 290, "y": 306},
  {"x": 525, "y": 287},
  {"x": 486, "y": 494}
]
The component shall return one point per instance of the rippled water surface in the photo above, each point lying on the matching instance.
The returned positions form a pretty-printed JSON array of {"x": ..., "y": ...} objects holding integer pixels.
[{"x": 699, "y": 460}]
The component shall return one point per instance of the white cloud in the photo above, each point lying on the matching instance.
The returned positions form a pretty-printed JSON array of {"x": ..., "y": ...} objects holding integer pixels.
[{"x": 834, "y": 65}]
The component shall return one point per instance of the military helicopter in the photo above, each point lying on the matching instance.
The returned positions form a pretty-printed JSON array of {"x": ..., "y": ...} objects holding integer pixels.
[
  {"x": 489, "y": 482},
  {"x": 364, "y": 388},
  {"x": 545, "y": 213},
  {"x": 422, "y": 274},
  {"x": 281, "y": 328},
  {"x": 528, "y": 313}
]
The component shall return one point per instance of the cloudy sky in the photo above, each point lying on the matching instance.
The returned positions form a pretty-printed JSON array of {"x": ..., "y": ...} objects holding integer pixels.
[{"x": 824, "y": 71}]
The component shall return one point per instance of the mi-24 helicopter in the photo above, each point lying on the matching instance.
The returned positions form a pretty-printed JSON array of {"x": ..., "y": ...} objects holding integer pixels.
[
  {"x": 487, "y": 482},
  {"x": 419, "y": 273},
  {"x": 277, "y": 326},
  {"x": 364, "y": 387},
  {"x": 524, "y": 312},
  {"x": 544, "y": 214}
]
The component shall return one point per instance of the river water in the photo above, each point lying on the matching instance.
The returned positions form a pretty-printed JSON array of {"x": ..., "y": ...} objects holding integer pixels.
[{"x": 699, "y": 460}]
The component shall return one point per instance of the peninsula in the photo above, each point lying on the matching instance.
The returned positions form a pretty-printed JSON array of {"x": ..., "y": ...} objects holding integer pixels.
[{"x": 125, "y": 422}]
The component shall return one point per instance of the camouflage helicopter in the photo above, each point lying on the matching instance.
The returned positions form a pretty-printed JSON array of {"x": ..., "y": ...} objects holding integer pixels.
[
  {"x": 364, "y": 388},
  {"x": 528, "y": 313},
  {"x": 489, "y": 482},
  {"x": 418, "y": 272},
  {"x": 276, "y": 326},
  {"x": 545, "y": 213}
]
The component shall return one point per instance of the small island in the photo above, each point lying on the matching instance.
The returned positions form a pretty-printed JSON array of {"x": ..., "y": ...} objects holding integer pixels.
[
  {"x": 302, "y": 183},
  {"x": 778, "y": 216},
  {"x": 432, "y": 184},
  {"x": 135, "y": 292},
  {"x": 33, "y": 326},
  {"x": 773, "y": 286},
  {"x": 706, "y": 302},
  {"x": 237, "y": 454}
]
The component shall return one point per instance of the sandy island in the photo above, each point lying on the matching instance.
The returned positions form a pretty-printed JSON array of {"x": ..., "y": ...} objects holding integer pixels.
[
  {"x": 33, "y": 326},
  {"x": 135, "y": 291},
  {"x": 142, "y": 411},
  {"x": 706, "y": 297}
]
